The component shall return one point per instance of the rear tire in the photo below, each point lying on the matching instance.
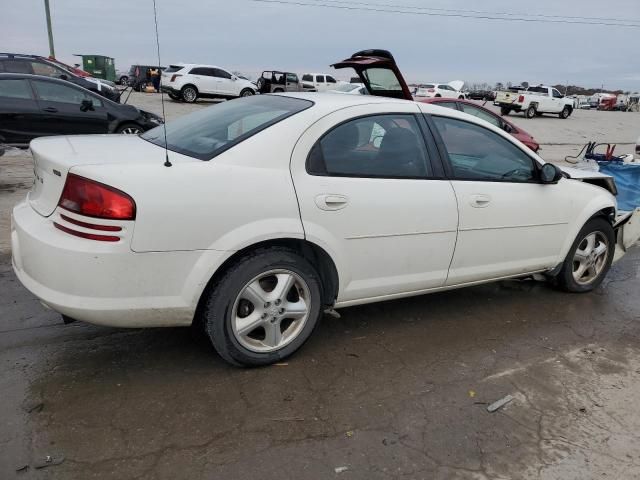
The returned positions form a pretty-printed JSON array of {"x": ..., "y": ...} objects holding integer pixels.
[
  {"x": 589, "y": 258},
  {"x": 175, "y": 97},
  {"x": 504, "y": 111},
  {"x": 566, "y": 111},
  {"x": 246, "y": 316},
  {"x": 189, "y": 94},
  {"x": 530, "y": 112}
]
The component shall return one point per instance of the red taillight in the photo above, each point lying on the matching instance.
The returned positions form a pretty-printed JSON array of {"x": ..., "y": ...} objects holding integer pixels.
[
  {"x": 88, "y": 236},
  {"x": 93, "y": 199},
  {"x": 174, "y": 76},
  {"x": 521, "y": 99}
]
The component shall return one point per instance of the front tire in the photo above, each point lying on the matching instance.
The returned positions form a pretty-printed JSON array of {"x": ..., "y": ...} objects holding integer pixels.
[
  {"x": 189, "y": 94},
  {"x": 530, "y": 112},
  {"x": 589, "y": 258},
  {"x": 564, "y": 114},
  {"x": 129, "y": 129},
  {"x": 264, "y": 308},
  {"x": 247, "y": 92}
]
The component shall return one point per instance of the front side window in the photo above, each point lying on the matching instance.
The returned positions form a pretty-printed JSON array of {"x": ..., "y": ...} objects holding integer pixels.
[
  {"x": 56, "y": 92},
  {"x": 480, "y": 113},
  {"x": 388, "y": 146},
  {"x": 210, "y": 131},
  {"x": 556, "y": 93},
  {"x": 330, "y": 79},
  {"x": 292, "y": 78},
  {"x": 45, "y": 69},
  {"x": 218, "y": 72},
  {"x": 15, "y": 89},
  {"x": 477, "y": 153},
  {"x": 319, "y": 78}
]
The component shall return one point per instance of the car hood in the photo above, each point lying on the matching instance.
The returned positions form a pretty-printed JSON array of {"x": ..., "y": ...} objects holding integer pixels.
[
  {"x": 456, "y": 84},
  {"x": 579, "y": 174}
]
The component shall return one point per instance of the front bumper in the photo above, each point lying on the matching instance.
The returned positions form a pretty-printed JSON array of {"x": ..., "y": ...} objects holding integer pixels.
[
  {"x": 101, "y": 282},
  {"x": 627, "y": 229}
]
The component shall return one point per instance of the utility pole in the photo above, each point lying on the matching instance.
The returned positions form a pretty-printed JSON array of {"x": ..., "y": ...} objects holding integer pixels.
[{"x": 51, "y": 50}]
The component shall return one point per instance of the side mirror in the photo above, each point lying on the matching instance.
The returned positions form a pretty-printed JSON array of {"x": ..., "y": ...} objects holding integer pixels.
[
  {"x": 550, "y": 173},
  {"x": 86, "y": 105},
  {"x": 234, "y": 78},
  {"x": 507, "y": 128},
  {"x": 63, "y": 77}
]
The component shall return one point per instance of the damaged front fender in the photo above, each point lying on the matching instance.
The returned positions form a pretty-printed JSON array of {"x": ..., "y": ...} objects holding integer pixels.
[{"x": 627, "y": 228}]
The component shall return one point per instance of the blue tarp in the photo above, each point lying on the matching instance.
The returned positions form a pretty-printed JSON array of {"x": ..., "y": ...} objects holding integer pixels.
[{"x": 627, "y": 177}]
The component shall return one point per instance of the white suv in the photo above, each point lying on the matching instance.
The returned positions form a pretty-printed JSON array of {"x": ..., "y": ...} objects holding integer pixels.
[
  {"x": 188, "y": 82},
  {"x": 320, "y": 81}
]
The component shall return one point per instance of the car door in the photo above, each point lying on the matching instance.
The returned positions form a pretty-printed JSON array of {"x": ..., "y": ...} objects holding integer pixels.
[
  {"x": 61, "y": 111},
  {"x": 371, "y": 195},
  {"x": 292, "y": 83},
  {"x": 320, "y": 83},
  {"x": 18, "y": 112},
  {"x": 483, "y": 114},
  {"x": 225, "y": 85},
  {"x": 558, "y": 100},
  {"x": 203, "y": 81},
  {"x": 510, "y": 223}
]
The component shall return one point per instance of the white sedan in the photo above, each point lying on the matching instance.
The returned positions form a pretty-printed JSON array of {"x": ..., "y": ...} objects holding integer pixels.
[{"x": 278, "y": 207}]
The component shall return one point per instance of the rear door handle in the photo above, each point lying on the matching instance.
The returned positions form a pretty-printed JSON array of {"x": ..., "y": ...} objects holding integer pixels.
[
  {"x": 331, "y": 201},
  {"x": 480, "y": 200},
  {"x": 50, "y": 109}
]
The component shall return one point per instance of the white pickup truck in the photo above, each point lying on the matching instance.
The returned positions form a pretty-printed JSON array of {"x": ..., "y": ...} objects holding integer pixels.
[{"x": 535, "y": 101}]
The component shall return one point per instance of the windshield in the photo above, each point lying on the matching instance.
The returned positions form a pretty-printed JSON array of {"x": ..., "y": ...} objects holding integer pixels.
[{"x": 210, "y": 131}]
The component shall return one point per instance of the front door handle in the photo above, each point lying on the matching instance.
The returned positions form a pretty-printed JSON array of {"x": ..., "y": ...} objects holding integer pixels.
[
  {"x": 480, "y": 200},
  {"x": 50, "y": 109},
  {"x": 331, "y": 201}
]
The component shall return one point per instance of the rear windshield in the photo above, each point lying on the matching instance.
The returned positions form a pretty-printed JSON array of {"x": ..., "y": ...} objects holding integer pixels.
[{"x": 210, "y": 131}]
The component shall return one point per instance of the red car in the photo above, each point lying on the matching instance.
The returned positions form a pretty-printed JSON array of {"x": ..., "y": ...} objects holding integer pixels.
[
  {"x": 486, "y": 114},
  {"x": 381, "y": 76}
]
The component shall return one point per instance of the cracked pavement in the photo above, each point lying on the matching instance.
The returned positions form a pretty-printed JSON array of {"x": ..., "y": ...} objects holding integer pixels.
[{"x": 390, "y": 391}]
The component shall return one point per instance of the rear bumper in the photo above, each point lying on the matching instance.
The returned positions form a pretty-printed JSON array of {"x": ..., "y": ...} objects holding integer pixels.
[{"x": 101, "y": 282}]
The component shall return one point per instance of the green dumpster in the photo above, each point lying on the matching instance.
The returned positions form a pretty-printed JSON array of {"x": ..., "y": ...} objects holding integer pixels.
[{"x": 99, "y": 66}]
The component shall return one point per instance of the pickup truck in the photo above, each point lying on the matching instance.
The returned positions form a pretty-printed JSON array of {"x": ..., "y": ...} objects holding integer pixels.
[{"x": 535, "y": 101}]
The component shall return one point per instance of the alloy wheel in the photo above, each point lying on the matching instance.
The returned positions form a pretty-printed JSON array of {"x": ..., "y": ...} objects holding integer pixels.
[
  {"x": 590, "y": 258},
  {"x": 131, "y": 131},
  {"x": 271, "y": 310}
]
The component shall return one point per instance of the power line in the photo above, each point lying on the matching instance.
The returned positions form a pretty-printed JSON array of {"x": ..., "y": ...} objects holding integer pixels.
[
  {"x": 354, "y": 6},
  {"x": 414, "y": 7}
]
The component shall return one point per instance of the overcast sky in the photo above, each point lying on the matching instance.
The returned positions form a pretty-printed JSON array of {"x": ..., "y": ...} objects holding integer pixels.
[{"x": 249, "y": 36}]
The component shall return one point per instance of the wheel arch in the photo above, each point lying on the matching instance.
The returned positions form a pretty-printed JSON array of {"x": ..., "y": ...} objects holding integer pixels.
[
  {"x": 312, "y": 252},
  {"x": 189, "y": 85}
]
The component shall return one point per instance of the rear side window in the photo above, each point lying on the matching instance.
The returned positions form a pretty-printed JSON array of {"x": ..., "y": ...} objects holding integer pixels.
[
  {"x": 451, "y": 105},
  {"x": 210, "y": 131},
  {"x": 199, "y": 71},
  {"x": 386, "y": 146},
  {"x": 477, "y": 153},
  {"x": 320, "y": 78},
  {"x": 15, "y": 66},
  {"x": 15, "y": 89},
  {"x": 173, "y": 68}
]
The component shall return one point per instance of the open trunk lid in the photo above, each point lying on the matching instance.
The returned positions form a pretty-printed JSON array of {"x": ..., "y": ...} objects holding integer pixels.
[
  {"x": 53, "y": 157},
  {"x": 378, "y": 72},
  {"x": 456, "y": 84}
]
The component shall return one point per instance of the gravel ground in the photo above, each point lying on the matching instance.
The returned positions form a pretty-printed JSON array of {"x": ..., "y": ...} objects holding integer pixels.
[{"x": 392, "y": 390}]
